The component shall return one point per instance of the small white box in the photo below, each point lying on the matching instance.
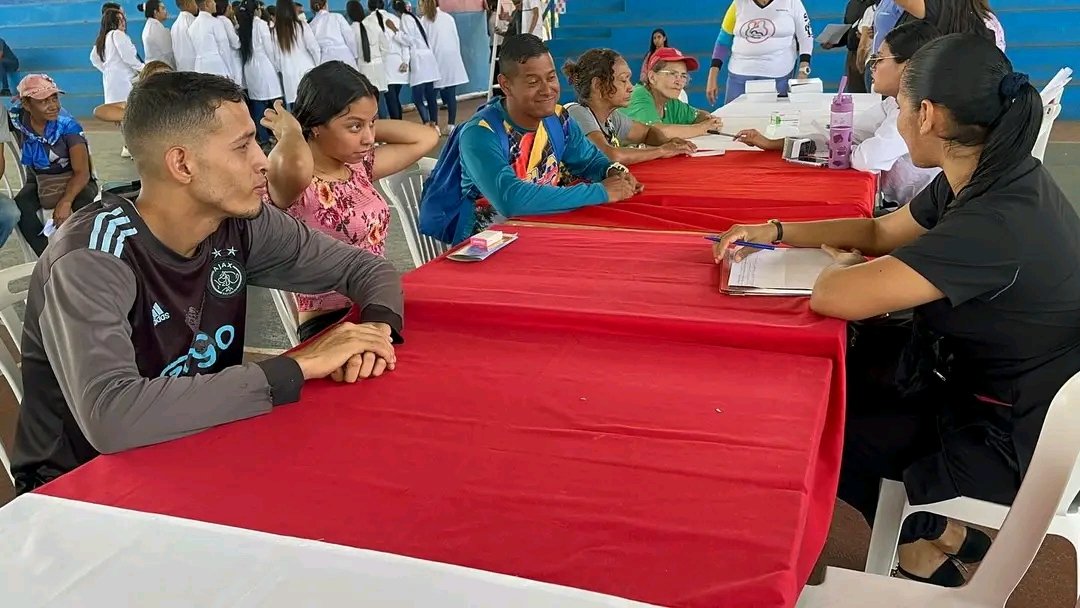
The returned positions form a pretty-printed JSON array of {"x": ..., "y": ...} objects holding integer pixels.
[{"x": 805, "y": 90}]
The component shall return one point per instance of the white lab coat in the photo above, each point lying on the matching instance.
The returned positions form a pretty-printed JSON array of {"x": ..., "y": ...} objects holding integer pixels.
[
  {"x": 397, "y": 49},
  {"x": 157, "y": 43},
  {"x": 261, "y": 71},
  {"x": 232, "y": 58},
  {"x": 422, "y": 65},
  {"x": 183, "y": 50},
  {"x": 377, "y": 43},
  {"x": 336, "y": 39},
  {"x": 886, "y": 153},
  {"x": 120, "y": 66},
  {"x": 443, "y": 35},
  {"x": 305, "y": 54},
  {"x": 211, "y": 46}
]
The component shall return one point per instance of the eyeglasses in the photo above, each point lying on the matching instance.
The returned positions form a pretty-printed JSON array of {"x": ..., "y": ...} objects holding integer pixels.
[
  {"x": 676, "y": 75},
  {"x": 873, "y": 60}
]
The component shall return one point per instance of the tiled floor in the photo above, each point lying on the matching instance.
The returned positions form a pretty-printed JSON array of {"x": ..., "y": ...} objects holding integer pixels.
[{"x": 1049, "y": 583}]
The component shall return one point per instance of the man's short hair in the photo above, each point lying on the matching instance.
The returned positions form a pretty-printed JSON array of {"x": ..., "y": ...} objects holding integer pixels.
[
  {"x": 173, "y": 107},
  {"x": 516, "y": 50}
]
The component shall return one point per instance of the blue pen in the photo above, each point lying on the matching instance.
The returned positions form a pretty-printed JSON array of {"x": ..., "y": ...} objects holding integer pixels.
[{"x": 717, "y": 239}]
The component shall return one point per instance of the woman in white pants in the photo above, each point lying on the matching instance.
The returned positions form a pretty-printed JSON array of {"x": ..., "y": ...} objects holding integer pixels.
[
  {"x": 223, "y": 12},
  {"x": 423, "y": 69},
  {"x": 157, "y": 43},
  {"x": 336, "y": 39},
  {"x": 442, "y": 31},
  {"x": 258, "y": 52},
  {"x": 371, "y": 46},
  {"x": 296, "y": 46},
  {"x": 210, "y": 42},
  {"x": 115, "y": 56}
]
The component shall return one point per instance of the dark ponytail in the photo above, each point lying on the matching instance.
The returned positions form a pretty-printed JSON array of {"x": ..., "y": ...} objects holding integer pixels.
[
  {"x": 403, "y": 9},
  {"x": 991, "y": 105},
  {"x": 355, "y": 11},
  {"x": 375, "y": 6},
  {"x": 245, "y": 21}
]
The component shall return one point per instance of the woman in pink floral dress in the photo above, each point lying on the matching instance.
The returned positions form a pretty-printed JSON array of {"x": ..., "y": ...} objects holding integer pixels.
[{"x": 326, "y": 179}]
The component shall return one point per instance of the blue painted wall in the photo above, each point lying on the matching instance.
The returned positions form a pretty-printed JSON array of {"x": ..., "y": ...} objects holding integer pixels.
[{"x": 55, "y": 37}]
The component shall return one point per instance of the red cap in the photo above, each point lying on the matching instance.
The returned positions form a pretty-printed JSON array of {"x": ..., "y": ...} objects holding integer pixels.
[{"x": 669, "y": 54}]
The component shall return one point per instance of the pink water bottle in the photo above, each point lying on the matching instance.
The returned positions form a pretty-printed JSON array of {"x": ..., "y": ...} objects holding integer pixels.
[{"x": 841, "y": 124}]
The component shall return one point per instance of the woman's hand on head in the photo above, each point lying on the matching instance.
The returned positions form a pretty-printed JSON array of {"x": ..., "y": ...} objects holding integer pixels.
[{"x": 281, "y": 122}]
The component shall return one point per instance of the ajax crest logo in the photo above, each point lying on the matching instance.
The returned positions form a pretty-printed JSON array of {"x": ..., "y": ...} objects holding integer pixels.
[{"x": 226, "y": 275}]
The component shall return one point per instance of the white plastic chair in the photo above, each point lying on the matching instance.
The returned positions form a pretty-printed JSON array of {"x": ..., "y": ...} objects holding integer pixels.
[
  {"x": 403, "y": 191},
  {"x": 9, "y": 317},
  {"x": 1051, "y": 110},
  {"x": 1045, "y": 501},
  {"x": 285, "y": 303}
]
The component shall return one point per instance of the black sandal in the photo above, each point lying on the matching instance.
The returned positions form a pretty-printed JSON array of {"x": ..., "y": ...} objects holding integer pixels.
[
  {"x": 947, "y": 575},
  {"x": 973, "y": 550}
]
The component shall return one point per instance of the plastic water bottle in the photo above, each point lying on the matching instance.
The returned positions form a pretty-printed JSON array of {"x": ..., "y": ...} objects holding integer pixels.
[{"x": 841, "y": 124}]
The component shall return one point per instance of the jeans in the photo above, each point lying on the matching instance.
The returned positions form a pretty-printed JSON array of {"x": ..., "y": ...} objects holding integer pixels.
[
  {"x": 393, "y": 101},
  {"x": 30, "y": 223},
  {"x": 449, "y": 97},
  {"x": 383, "y": 111},
  {"x": 736, "y": 85},
  {"x": 427, "y": 103},
  {"x": 8, "y": 68},
  {"x": 9, "y": 217},
  {"x": 257, "y": 107}
]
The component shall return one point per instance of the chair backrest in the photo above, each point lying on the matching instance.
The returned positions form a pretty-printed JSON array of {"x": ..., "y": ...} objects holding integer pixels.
[
  {"x": 683, "y": 97},
  {"x": 9, "y": 297},
  {"x": 403, "y": 191},
  {"x": 1045, "y": 486},
  {"x": 285, "y": 304},
  {"x": 1050, "y": 114}
]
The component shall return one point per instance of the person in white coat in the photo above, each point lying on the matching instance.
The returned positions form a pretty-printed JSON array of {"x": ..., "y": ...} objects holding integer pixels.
[
  {"x": 223, "y": 12},
  {"x": 157, "y": 43},
  {"x": 336, "y": 39},
  {"x": 211, "y": 44},
  {"x": 371, "y": 45},
  {"x": 296, "y": 46},
  {"x": 423, "y": 69},
  {"x": 115, "y": 56},
  {"x": 442, "y": 31},
  {"x": 258, "y": 52},
  {"x": 395, "y": 57},
  {"x": 183, "y": 49}
]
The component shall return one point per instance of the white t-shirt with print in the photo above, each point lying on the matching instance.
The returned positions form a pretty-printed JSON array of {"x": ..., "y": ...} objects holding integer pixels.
[
  {"x": 769, "y": 39},
  {"x": 527, "y": 17}
]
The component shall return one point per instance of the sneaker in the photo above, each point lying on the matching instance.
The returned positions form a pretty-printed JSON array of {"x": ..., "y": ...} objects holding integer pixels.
[
  {"x": 450, "y": 129},
  {"x": 124, "y": 153}
]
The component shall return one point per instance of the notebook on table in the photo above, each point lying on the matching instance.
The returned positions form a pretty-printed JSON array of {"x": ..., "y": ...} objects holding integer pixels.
[{"x": 777, "y": 272}]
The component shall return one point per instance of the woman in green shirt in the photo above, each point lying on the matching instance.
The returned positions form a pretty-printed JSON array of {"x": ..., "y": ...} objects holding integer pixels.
[{"x": 655, "y": 101}]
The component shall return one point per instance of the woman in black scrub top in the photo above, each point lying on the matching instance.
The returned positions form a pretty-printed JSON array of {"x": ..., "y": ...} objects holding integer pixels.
[{"x": 987, "y": 258}]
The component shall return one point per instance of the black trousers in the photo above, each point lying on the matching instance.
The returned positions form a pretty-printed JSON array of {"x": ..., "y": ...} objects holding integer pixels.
[
  {"x": 939, "y": 443},
  {"x": 29, "y": 204}
]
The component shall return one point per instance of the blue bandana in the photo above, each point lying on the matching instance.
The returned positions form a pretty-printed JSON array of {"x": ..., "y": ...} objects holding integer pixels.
[{"x": 35, "y": 149}]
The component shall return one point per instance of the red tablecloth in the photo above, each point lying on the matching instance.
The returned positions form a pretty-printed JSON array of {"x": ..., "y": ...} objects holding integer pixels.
[
  {"x": 667, "y": 471},
  {"x": 710, "y": 194}
]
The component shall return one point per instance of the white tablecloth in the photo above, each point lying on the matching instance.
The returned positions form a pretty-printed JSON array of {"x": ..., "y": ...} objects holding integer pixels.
[
  {"x": 813, "y": 111},
  {"x": 62, "y": 553}
]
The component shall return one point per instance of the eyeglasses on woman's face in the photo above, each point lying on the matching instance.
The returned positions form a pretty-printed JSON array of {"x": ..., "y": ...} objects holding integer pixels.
[
  {"x": 676, "y": 75},
  {"x": 874, "y": 59}
]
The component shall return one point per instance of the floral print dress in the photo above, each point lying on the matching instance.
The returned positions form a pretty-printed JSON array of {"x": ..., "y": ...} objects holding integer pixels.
[{"x": 351, "y": 211}]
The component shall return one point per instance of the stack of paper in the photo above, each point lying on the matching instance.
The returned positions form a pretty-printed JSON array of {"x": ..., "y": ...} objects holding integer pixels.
[
  {"x": 474, "y": 253},
  {"x": 778, "y": 272}
]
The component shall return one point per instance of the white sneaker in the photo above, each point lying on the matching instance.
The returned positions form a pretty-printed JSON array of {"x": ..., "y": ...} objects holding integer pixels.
[
  {"x": 450, "y": 129},
  {"x": 124, "y": 153}
]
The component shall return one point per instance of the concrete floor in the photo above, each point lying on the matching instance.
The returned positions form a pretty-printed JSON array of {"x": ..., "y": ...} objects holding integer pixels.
[{"x": 1049, "y": 583}]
